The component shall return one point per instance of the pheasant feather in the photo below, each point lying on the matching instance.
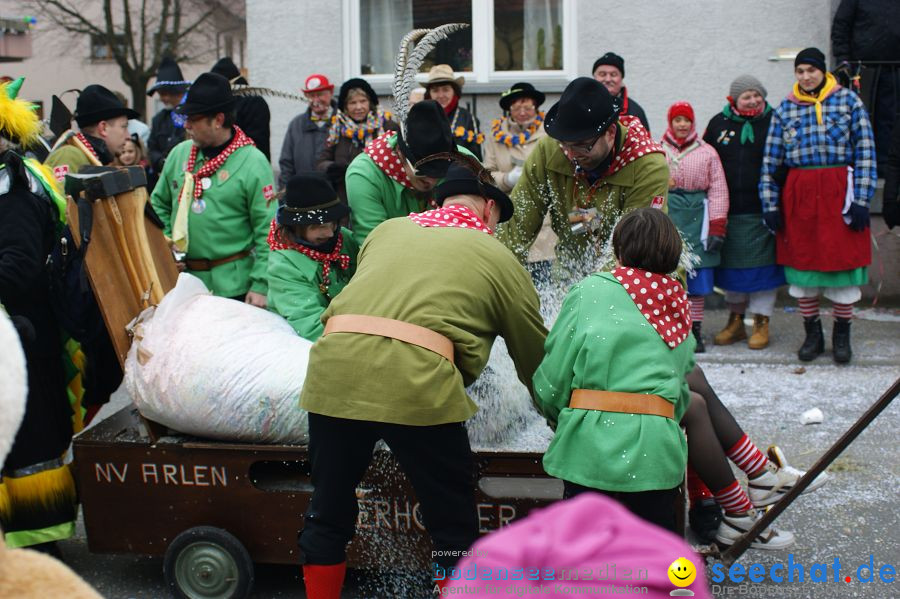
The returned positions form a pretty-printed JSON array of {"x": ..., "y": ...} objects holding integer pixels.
[{"x": 249, "y": 90}]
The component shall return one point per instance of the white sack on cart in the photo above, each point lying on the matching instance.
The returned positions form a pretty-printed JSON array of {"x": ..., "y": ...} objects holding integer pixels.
[{"x": 218, "y": 368}]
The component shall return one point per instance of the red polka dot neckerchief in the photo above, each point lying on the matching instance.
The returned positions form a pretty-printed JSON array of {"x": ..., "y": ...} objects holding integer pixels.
[
  {"x": 661, "y": 299},
  {"x": 277, "y": 242},
  {"x": 460, "y": 217},
  {"x": 239, "y": 140},
  {"x": 388, "y": 160},
  {"x": 88, "y": 146}
]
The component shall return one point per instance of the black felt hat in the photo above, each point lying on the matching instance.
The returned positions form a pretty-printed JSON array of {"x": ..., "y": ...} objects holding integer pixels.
[
  {"x": 460, "y": 180},
  {"x": 585, "y": 110},
  {"x": 521, "y": 90},
  {"x": 427, "y": 134},
  {"x": 309, "y": 199},
  {"x": 356, "y": 83},
  {"x": 209, "y": 94},
  {"x": 168, "y": 75},
  {"x": 226, "y": 68},
  {"x": 610, "y": 59},
  {"x": 96, "y": 103}
]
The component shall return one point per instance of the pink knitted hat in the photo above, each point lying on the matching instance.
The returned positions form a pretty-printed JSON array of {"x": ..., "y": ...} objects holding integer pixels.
[{"x": 591, "y": 535}]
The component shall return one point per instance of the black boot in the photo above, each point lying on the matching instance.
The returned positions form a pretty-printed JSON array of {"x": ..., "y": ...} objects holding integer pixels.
[
  {"x": 814, "y": 344},
  {"x": 705, "y": 516},
  {"x": 840, "y": 340},
  {"x": 695, "y": 328}
]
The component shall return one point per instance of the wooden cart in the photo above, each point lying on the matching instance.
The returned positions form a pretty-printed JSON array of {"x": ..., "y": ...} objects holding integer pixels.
[{"x": 214, "y": 508}]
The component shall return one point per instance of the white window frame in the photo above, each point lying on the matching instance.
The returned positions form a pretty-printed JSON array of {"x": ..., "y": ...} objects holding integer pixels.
[{"x": 483, "y": 77}]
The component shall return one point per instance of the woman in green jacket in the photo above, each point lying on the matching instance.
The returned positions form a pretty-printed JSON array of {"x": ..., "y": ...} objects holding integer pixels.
[{"x": 312, "y": 256}]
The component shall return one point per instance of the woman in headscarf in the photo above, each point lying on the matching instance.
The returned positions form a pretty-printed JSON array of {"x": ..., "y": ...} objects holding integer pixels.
[
  {"x": 748, "y": 272},
  {"x": 446, "y": 89},
  {"x": 698, "y": 203},
  {"x": 821, "y": 135},
  {"x": 357, "y": 121},
  {"x": 512, "y": 139}
]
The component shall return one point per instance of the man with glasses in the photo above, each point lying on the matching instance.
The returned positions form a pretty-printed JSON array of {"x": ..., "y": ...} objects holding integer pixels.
[{"x": 590, "y": 170}]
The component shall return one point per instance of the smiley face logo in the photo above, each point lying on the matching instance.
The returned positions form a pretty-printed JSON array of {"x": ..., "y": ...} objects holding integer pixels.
[{"x": 682, "y": 572}]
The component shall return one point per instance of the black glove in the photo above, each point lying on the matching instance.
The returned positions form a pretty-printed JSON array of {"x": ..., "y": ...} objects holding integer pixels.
[
  {"x": 335, "y": 172},
  {"x": 714, "y": 243},
  {"x": 890, "y": 210},
  {"x": 843, "y": 74},
  {"x": 859, "y": 217},
  {"x": 773, "y": 221}
]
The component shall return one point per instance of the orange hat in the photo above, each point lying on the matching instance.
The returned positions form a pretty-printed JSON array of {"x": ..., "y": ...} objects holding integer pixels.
[{"x": 317, "y": 83}]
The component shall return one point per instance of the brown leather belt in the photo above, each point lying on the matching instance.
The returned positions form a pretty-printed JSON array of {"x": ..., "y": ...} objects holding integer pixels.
[
  {"x": 625, "y": 403},
  {"x": 392, "y": 329},
  {"x": 207, "y": 264}
]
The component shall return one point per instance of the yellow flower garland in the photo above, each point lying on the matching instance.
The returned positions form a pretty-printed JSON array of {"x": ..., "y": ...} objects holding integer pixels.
[{"x": 510, "y": 140}]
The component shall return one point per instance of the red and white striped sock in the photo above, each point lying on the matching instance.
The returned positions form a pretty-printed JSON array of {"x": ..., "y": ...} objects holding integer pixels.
[
  {"x": 747, "y": 456},
  {"x": 809, "y": 306},
  {"x": 844, "y": 311},
  {"x": 733, "y": 499},
  {"x": 697, "y": 302}
]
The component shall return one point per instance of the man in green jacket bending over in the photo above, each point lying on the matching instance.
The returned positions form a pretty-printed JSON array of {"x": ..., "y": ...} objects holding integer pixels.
[
  {"x": 415, "y": 326},
  {"x": 591, "y": 169},
  {"x": 214, "y": 196}
]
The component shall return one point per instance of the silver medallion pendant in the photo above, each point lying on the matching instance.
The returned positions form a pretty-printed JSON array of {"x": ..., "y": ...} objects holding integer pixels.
[
  {"x": 205, "y": 182},
  {"x": 198, "y": 206}
]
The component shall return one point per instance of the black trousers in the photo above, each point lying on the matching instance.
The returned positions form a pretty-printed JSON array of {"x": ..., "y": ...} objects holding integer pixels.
[
  {"x": 437, "y": 461},
  {"x": 657, "y": 507}
]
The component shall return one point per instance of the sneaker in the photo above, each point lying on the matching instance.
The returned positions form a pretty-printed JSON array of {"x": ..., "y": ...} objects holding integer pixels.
[
  {"x": 778, "y": 479},
  {"x": 705, "y": 517},
  {"x": 734, "y": 527}
]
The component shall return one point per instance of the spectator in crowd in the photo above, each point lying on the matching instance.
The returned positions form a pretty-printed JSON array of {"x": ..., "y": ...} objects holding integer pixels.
[
  {"x": 136, "y": 127},
  {"x": 589, "y": 170},
  {"x": 698, "y": 204},
  {"x": 747, "y": 271},
  {"x": 167, "y": 127},
  {"x": 512, "y": 139},
  {"x": 215, "y": 198},
  {"x": 446, "y": 89},
  {"x": 312, "y": 257},
  {"x": 819, "y": 211},
  {"x": 358, "y": 120},
  {"x": 132, "y": 154},
  {"x": 609, "y": 70},
  {"x": 252, "y": 112},
  {"x": 869, "y": 31},
  {"x": 307, "y": 132}
]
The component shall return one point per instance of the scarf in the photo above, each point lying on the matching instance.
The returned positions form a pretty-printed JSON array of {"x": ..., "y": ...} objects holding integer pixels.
[
  {"x": 387, "y": 159},
  {"x": 97, "y": 147},
  {"x": 192, "y": 188},
  {"x": 746, "y": 117},
  {"x": 449, "y": 108},
  {"x": 624, "y": 95},
  {"x": 508, "y": 139},
  {"x": 637, "y": 143},
  {"x": 661, "y": 299},
  {"x": 277, "y": 242},
  {"x": 669, "y": 138},
  {"x": 829, "y": 85},
  {"x": 359, "y": 133},
  {"x": 460, "y": 217}
]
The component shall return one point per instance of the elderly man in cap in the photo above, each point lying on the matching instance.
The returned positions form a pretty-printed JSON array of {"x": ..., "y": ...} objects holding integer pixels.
[
  {"x": 307, "y": 131},
  {"x": 590, "y": 169},
  {"x": 214, "y": 196},
  {"x": 396, "y": 173},
  {"x": 609, "y": 70},
  {"x": 252, "y": 112},
  {"x": 166, "y": 128},
  {"x": 415, "y": 326}
]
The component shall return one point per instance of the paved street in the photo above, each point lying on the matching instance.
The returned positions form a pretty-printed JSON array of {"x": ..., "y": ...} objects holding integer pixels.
[{"x": 854, "y": 516}]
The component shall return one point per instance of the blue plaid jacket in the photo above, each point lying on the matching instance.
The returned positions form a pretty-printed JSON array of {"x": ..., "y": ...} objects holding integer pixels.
[{"x": 844, "y": 138}]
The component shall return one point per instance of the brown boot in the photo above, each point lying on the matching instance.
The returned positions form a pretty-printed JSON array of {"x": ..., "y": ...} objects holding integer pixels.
[
  {"x": 734, "y": 331},
  {"x": 760, "y": 337}
]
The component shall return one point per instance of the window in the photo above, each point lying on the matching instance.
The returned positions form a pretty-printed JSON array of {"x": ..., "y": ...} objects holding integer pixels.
[
  {"x": 508, "y": 39},
  {"x": 101, "y": 50}
]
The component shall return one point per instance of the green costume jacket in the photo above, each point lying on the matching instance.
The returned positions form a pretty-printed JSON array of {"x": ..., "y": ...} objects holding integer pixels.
[
  {"x": 601, "y": 341},
  {"x": 66, "y": 158},
  {"x": 461, "y": 283},
  {"x": 236, "y": 218},
  {"x": 294, "y": 280},
  {"x": 374, "y": 197},
  {"x": 548, "y": 183}
]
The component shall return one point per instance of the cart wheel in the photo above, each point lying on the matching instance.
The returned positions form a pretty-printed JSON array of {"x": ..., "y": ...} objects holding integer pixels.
[{"x": 205, "y": 562}]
